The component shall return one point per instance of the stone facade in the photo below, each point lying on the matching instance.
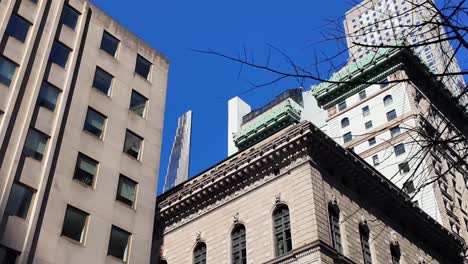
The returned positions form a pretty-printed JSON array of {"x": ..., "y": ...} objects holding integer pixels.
[
  {"x": 36, "y": 237},
  {"x": 303, "y": 169}
]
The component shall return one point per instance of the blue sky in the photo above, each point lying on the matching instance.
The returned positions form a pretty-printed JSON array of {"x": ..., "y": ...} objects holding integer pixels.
[{"x": 205, "y": 83}]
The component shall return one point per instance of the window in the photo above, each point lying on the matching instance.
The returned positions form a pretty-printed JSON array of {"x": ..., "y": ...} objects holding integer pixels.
[
  {"x": 7, "y": 256},
  {"x": 69, "y": 16},
  {"x": 18, "y": 28},
  {"x": 342, "y": 106},
  {"x": 375, "y": 160},
  {"x": 239, "y": 251},
  {"x": 109, "y": 43},
  {"x": 95, "y": 122},
  {"x": 7, "y": 71},
  {"x": 334, "y": 219},
  {"x": 138, "y": 103},
  {"x": 126, "y": 191},
  {"x": 344, "y": 122},
  {"x": 365, "y": 247},
  {"x": 19, "y": 200},
  {"x": 119, "y": 243},
  {"x": 347, "y": 137},
  {"x": 395, "y": 131},
  {"x": 408, "y": 187},
  {"x": 403, "y": 168},
  {"x": 399, "y": 149},
  {"x": 59, "y": 54},
  {"x": 48, "y": 96},
  {"x": 371, "y": 141},
  {"x": 85, "y": 170},
  {"x": 387, "y": 100},
  {"x": 391, "y": 115},
  {"x": 395, "y": 252},
  {"x": 368, "y": 125},
  {"x": 384, "y": 83},
  {"x": 102, "y": 81},
  {"x": 365, "y": 111},
  {"x": 133, "y": 144},
  {"x": 199, "y": 254},
  {"x": 143, "y": 67},
  {"x": 282, "y": 230},
  {"x": 362, "y": 94},
  {"x": 74, "y": 224},
  {"x": 35, "y": 144}
]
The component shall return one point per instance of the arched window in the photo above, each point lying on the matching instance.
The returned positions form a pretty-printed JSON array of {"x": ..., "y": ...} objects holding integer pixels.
[
  {"x": 365, "y": 246},
  {"x": 395, "y": 252},
  {"x": 163, "y": 262},
  {"x": 239, "y": 251},
  {"x": 199, "y": 254},
  {"x": 344, "y": 122},
  {"x": 387, "y": 100},
  {"x": 282, "y": 226},
  {"x": 334, "y": 219}
]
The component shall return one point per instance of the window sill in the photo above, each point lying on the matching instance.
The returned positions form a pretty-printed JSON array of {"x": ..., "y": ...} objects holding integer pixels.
[
  {"x": 141, "y": 77},
  {"x": 132, "y": 158},
  {"x": 93, "y": 136},
  {"x": 72, "y": 241},
  {"x": 101, "y": 92},
  {"x": 133, "y": 208},
  {"x": 91, "y": 187},
  {"x": 117, "y": 259},
  {"x": 135, "y": 114},
  {"x": 108, "y": 54}
]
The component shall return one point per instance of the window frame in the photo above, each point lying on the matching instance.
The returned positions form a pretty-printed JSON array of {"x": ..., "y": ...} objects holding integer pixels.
[
  {"x": 387, "y": 100},
  {"x": 392, "y": 131},
  {"x": 335, "y": 228},
  {"x": 104, "y": 123},
  {"x": 21, "y": 213},
  {"x": 345, "y": 122},
  {"x": 395, "y": 253},
  {"x": 342, "y": 106},
  {"x": 68, "y": 7},
  {"x": 140, "y": 58},
  {"x": 403, "y": 167},
  {"x": 54, "y": 51},
  {"x": 39, "y": 133},
  {"x": 282, "y": 231},
  {"x": 397, "y": 147},
  {"x": 13, "y": 32},
  {"x": 365, "y": 111},
  {"x": 121, "y": 198},
  {"x": 390, "y": 115},
  {"x": 368, "y": 125},
  {"x": 41, "y": 98},
  {"x": 9, "y": 254},
  {"x": 199, "y": 253},
  {"x": 84, "y": 229},
  {"x": 362, "y": 95},
  {"x": 345, "y": 137},
  {"x": 126, "y": 252},
  {"x": 76, "y": 178},
  {"x": 364, "y": 235},
  {"x": 107, "y": 74},
  {"x": 140, "y": 151},
  {"x": 145, "y": 110},
  {"x": 238, "y": 244},
  {"x": 3, "y": 78},
  {"x": 375, "y": 160},
  {"x": 112, "y": 38}
]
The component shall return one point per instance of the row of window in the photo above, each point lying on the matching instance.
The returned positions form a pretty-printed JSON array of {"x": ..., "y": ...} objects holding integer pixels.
[
  {"x": 388, "y": 100},
  {"x": 347, "y": 137},
  {"x": 398, "y": 149}
]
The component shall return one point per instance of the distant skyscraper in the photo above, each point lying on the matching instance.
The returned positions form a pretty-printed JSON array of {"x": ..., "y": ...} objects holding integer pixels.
[{"x": 178, "y": 168}]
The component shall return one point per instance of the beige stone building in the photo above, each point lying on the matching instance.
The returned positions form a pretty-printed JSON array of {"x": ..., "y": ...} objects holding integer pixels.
[
  {"x": 81, "y": 113},
  {"x": 296, "y": 197}
]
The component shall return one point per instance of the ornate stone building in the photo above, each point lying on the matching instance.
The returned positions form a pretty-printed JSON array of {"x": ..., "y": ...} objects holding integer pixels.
[{"x": 296, "y": 197}]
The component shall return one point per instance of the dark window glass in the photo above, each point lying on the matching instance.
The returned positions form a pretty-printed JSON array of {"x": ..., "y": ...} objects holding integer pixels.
[
  {"x": 239, "y": 250},
  {"x": 395, "y": 252},
  {"x": 102, "y": 81},
  {"x": 408, "y": 187},
  {"x": 399, "y": 149},
  {"x": 391, "y": 115},
  {"x": 7, "y": 256},
  {"x": 70, "y": 16},
  {"x": 388, "y": 100},
  {"x": 199, "y": 254},
  {"x": 19, "y": 200},
  {"x": 7, "y": 71},
  {"x": 395, "y": 131},
  {"x": 334, "y": 219},
  {"x": 384, "y": 83},
  {"x": 365, "y": 246},
  {"x": 109, "y": 43},
  {"x": 138, "y": 103},
  {"x": 133, "y": 144},
  {"x": 95, "y": 122},
  {"x": 126, "y": 191},
  {"x": 18, "y": 28},
  {"x": 344, "y": 122},
  {"x": 375, "y": 160},
  {"x": 119, "y": 243},
  {"x": 35, "y": 144},
  {"x": 342, "y": 106},
  {"x": 74, "y": 224},
  {"x": 368, "y": 124},
  {"x": 362, "y": 94},
  {"x": 403, "y": 167},
  {"x": 143, "y": 67},
  {"x": 347, "y": 137},
  {"x": 282, "y": 230},
  {"x": 59, "y": 54},
  {"x": 86, "y": 169},
  {"x": 365, "y": 111},
  {"x": 48, "y": 96},
  {"x": 372, "y": 141}
]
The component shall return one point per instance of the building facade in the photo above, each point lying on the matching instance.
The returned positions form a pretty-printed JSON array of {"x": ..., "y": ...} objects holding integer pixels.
[
  {"x": 296, "y": 197},
  {"x": 81, "y": 114}
]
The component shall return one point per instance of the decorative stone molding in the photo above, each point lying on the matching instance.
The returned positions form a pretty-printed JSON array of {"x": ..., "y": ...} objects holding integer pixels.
[
  {"x": 363, "y": 220},
  {"x": 236, "y": 218},
  {"x": 333, "y": 201},
  {"x": 278, "y": 198},
  {"x": 198, "y": 236},
  {"x": 394, "y": 238}
]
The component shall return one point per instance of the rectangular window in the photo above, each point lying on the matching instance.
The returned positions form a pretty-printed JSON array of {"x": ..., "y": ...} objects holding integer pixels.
[
  {"x": 19, "y": 200},
  {"x": 391, "y": 115},
  {"x": 399, "y": 149},
  {"x": 119, "y": 243},
  {"x": 133, "y": 144},
  {"x": 69, "y": 16},
  {"x": 143, "y": 67},
  {"x": 365, "y": 111},
  {"x": 375, "y": 160},
  {"x": 368, "y": 125},
  {"x": 18, "y": 28},
  {"x": 86, "y": 169},
  {"x": 371, "y": 141},
  {"x": 384, "y": 84},
  {"x": 35, "y": 144},
  {"x": 342, "y": 106},
  {"x": 59, "y": 54},
  {"x": 7, "y": 71},
  {"x": 408, "y": 187},
  {"x": 362, "y": 94},
  {"x": 138, "y": 103},
  {"x": 74, "y": 224},
  {"x": 347, "y": 137},
  {"x": 48, "y": 96},
  {"x": 126, "y": 191},
  {"x": 395, "y": 131},
  {"x": 95, "y": 122},
  {"x": 109, "y": 43},
  {"x": 102, "y": 81},
  {"x": 403, "y": 168},
  {"x": 8, "y": 256}
]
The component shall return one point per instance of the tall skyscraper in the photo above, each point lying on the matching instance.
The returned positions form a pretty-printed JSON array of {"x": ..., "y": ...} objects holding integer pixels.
[
  {"x": 81, "y": 114},
  {"x": 179, "y": 160}
]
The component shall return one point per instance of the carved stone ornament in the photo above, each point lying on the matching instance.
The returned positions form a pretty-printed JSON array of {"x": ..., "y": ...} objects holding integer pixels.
[
  {"x": 198, "y": 236},
  {"x": 278, "y": 198},
  {"x": 333, "y": 200},
  {"x": 363, "y": 220},
  {"x": 421, "y": 260},
  {"x": 394, "y": 238},
  {"x": 236, "y": 218}
]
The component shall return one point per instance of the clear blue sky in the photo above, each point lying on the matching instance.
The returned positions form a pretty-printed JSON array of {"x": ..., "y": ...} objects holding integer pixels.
[{"x": 204, "y": 83}]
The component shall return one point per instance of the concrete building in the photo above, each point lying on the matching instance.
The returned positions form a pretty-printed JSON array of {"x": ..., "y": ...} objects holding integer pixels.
[
  {"x": 296, "y": 197},
  {"x": 81, "y": 114},
  {"x": 179, "y": 160}
]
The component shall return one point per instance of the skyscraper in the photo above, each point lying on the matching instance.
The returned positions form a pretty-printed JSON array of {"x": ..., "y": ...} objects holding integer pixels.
[
  {"x": 179, "y": 160},
  {"x": 81, "y": 113}
]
